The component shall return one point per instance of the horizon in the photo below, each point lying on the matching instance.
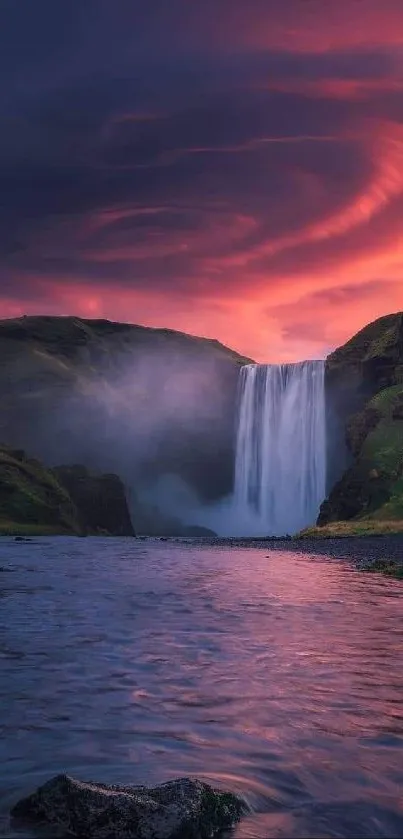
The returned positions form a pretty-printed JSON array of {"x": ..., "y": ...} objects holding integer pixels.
[
  {"x": 234, "y": 172},
  {"x": 196, "y": 336}
]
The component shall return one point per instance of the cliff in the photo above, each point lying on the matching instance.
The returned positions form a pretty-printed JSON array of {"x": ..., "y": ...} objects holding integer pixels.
[
  {"x": 149, "y": 403},
  {"x": 100, "y": 500},
  {"x": 31, "y": 498},
  {"x": 364, "y": 381},
  {"x": 372, "y": 359},
  {"x": 119, "y": 398},
  {"x": 36, "y": 500}
]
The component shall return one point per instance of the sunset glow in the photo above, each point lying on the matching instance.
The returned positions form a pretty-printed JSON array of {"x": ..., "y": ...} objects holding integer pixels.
[{"x": 230, "y": 169}]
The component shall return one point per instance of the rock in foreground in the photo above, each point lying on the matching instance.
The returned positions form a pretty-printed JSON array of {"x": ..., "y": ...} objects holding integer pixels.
[{"x": 180, "y": 809}]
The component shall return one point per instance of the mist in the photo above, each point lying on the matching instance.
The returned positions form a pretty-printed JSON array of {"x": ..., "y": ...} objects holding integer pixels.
[
  {"x": 280, "y": 457},
  {"x": 168, "y": 415},
  {"x": 158, "y": 418}
]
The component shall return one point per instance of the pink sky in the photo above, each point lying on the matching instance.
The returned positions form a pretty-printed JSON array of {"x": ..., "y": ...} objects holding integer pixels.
[{"x": 244, "y": 181}]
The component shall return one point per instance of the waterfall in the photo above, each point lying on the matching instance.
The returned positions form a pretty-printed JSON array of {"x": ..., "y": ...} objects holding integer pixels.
[{"x": 280, "y": 466}]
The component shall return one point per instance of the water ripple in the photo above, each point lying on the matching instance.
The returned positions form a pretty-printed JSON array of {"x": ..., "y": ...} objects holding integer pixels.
[{"x": 279, "y": 676}]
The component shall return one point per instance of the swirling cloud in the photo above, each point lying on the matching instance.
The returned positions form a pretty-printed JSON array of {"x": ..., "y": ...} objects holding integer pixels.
[{"x": 230, "y": 169}]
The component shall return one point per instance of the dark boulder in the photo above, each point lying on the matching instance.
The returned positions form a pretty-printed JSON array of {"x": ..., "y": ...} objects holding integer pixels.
[{"x": 180, "y": 809}]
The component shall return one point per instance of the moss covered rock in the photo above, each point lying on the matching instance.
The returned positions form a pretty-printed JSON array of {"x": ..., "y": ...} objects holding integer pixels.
[
  {"x": 373, "y": 357},
  {"x": 181, "y": 809},
  {"x": 31, "y": 496},
  {"x": 37, "y": 500},
  {"x": 372, "y": 487},
  {"x": 369, "y": 362}
]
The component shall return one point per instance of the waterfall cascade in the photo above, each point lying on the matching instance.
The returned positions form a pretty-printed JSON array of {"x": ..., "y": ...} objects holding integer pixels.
[{"x": 280, "y": 467}]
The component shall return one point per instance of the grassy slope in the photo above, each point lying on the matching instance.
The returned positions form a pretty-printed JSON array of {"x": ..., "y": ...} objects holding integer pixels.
[
  {"x": 32, "y": 501},
  {"x": 382, "y": 451},
  {"x": 369, "y": 495},
  {"x": 379, "y": 468},
  {"x": 36, "y": 501},
  {"x": 46, "y": 357},
  {"x": 346, "y": 529},
  {"x": 377, "y": 341},
  {"x": 380, "y": 457},
  {"x": 71, "y": 339}
]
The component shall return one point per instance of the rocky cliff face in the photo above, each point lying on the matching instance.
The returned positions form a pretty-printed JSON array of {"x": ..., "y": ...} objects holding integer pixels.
[
  {"x": 118, "y": 398},
  {"x": 367, "y": 363},
  {"x": 100, "y": 501},
  {"x": 364, "y": 381}
]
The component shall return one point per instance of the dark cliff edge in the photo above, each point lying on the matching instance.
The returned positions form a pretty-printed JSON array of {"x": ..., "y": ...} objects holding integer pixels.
[
  {"x": 35, "y": 500},
  {"x": 364, "y": 384},
  {"x": 100, "y": 501},
  {"x": 138, "y": 402}
]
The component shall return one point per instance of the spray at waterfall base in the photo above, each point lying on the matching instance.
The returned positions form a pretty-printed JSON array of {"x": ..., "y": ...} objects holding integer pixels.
[{"x": 280, "y": 455}]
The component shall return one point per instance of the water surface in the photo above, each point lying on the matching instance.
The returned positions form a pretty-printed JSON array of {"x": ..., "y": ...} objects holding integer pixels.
[{"x": 274, "y": 674}]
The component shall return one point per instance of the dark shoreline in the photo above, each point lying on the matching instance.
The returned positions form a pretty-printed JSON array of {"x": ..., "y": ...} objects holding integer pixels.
[
  {"x": 357, "y": 549},
  {"x": 363, "y": 551}
]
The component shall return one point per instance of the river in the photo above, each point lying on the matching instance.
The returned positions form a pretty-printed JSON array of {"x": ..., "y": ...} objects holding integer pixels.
[{"x": 276, "y": 674}]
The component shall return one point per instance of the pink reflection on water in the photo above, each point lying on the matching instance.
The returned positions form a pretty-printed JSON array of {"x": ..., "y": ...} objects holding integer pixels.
[{"x": 275, "y": 674}]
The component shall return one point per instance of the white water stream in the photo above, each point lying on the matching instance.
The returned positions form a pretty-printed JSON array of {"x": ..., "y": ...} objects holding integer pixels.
[{"x": 280, "y": 468}]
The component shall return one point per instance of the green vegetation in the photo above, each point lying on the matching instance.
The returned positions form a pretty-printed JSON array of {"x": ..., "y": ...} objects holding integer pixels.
[
  {"x": 386, "y": 566},
  {"x": 379, "y": 340},
  {"x": 37, "y": 501},
  {"x": 51, "y": 368},
  {"x": 31, "y": 497},
  {"x": 353, "y": 527},
  {"x": 380, "y": 457},
  {"x": 384, "y": 338},
  {"x": 364, "y": 380},
  {"x": 67, "y": 337},
  {"x": 73, "y": 387},
  {"x": 13, "y": 528}
]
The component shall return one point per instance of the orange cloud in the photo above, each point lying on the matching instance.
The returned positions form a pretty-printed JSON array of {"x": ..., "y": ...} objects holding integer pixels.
[
  {"x": 386, "y": 153},
  {"x": 246, "y": 186}
]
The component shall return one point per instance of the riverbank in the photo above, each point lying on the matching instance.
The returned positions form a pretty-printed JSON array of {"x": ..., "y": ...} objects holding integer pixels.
[
  {"x": 352, "y": 528},
  {"x": 366, "y": 552},
  {"x": 382, "y": 552},
  {"x": 14, "y": 528}
]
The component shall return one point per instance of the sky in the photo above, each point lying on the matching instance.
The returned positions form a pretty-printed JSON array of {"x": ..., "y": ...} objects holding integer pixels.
[{"x": 229, "y": 168}]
